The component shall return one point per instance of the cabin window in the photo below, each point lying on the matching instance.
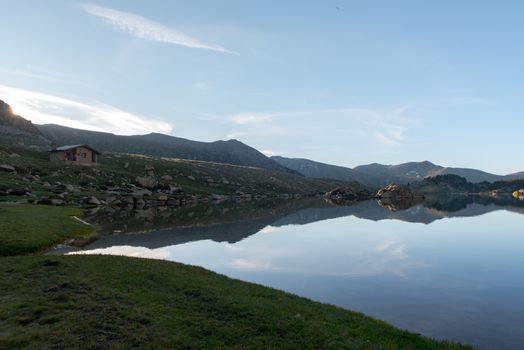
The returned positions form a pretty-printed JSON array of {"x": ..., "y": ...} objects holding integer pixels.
[{"x": 84, "y": 155}]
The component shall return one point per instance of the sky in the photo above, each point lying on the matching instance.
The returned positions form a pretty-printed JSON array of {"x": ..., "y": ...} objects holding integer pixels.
[{"x": 341, "y": 82}]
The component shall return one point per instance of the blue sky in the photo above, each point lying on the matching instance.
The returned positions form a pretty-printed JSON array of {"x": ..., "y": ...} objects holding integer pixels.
[{"x": 343, "y": 82}]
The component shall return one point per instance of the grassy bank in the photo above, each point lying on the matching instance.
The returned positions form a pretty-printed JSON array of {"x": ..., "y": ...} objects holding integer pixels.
[
  {"x": 119, "y": 302},
  {"x": 26, "y": 229},
  {"x": 101, "y": 301}
]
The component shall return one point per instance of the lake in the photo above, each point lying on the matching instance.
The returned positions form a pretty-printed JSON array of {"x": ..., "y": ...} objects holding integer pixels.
[{"x": 451, "y": 269}]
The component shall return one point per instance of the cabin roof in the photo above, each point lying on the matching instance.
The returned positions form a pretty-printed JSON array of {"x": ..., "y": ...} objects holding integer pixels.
[{"x": 72, "y": 147}]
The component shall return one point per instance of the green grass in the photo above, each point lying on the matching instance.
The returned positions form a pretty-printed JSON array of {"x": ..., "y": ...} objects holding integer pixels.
[
  {"x": 26, "y": 229},
  {"x": 102, "y": 302}
]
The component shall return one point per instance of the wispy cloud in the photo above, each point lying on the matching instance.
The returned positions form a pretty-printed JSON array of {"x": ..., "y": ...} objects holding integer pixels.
[
  {"x": 253, "y": 118},
  {"x": 43, "y": 108},
  {"x": 386, "y": 128},
  {"x": 147, "y": 29},
  {"x": 201, "y": 86}
]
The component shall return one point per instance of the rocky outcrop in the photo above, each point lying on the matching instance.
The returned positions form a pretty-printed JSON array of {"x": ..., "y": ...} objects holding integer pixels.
[
  {"x": 344, "y": 195},
  {"x": 394, "y": 197},
  {"x": 393, "y": 191}
]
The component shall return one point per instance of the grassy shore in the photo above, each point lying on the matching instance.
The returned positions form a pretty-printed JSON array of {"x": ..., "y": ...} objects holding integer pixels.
[
  {"x": 119, "y": 302},
  {"x": 26, "y": 229},
  {"x": 102, "y": 301}
]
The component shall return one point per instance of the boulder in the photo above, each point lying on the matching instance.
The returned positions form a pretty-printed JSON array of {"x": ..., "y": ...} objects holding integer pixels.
[
  {"x": 149, "y": 182},
  {"x": 167, "y": 178},
  {"x": 7, "y": 168},
  {"x": 57, "y": 201},
  {"x": 93, "y": 200}
]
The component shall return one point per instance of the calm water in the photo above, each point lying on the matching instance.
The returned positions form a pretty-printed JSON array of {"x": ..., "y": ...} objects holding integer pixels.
[{"x": 453, "y": 270}]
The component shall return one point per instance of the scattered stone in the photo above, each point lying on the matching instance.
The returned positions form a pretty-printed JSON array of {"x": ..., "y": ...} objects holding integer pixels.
[
  {"x": 139, "y": 203},
  {"x": 126, "y": 165},
  {"x": 175, "y": 189},
  {"x": 167, "y": 178},
  {"x": 71, "y": 188},
  {"x": 149, "y": 167},
  {"x": 93, "y": 200},
  {"x": 57, "y": 201},
  {"x": 191, "y": 177},
  {"x": 14, "y": 155},
  {"x": 7, "y": 168}
]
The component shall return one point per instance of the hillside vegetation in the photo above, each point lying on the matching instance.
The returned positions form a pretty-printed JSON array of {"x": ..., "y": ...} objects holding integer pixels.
[{"x": 123, "y": 179}]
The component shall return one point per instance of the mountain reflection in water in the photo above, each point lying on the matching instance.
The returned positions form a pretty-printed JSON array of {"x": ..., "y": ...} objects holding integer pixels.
[
  {"x": 232, "y": 222},
  {"x": 448, "y": 268}
]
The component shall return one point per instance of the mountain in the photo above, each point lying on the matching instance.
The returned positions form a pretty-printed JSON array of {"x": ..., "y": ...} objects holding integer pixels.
[
  {"x": 472, "y": 175},
  {"x": 379, "y": 175},
  {"x": 14, "y": 128},
  {"x": 229, "y": 152},
  {"x": 310, "y": 168}
]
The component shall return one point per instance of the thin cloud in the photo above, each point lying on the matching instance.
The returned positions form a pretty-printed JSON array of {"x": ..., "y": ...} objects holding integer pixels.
[
  {"x": 201, "y": 86},
  {"x": 147, "y": 29},
  {"x": 253, "y": 118},
  {"x": 386, "y": 128},
  {"x": 43, "y": 108}
]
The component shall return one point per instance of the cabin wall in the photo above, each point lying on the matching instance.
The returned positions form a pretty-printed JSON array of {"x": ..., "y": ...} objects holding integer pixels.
[{"x": 84, "y": 156}]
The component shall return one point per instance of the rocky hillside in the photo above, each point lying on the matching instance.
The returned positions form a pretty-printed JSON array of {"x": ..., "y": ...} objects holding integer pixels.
[
  {"x": 14, "y": 128},
  {"x": 229, "y": 152},
  {"x": 138, "y": 181}
]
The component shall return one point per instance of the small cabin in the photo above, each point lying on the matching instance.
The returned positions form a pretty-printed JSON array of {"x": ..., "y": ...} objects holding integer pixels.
[{"x": 74, "y": 155}]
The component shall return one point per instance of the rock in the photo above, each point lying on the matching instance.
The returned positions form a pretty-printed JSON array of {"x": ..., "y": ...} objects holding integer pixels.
[
  {"x": 56, "y": 201},
  {"x": 139, "y": 203},
  {"x": 17, "y": 192},
  {"x": 46, "y": 184},
  {"x": 7, "y": 168},
  {"x": 70, "y": 188},
  {"x": 149, "y": 182},
  {"x": 342, "y": 195},
  {"x": 162, "y": 198},
  {"x": 167, "y": 178},
  {"x": 126, "y": 165},
  {"x": 394, "y": 191},
  {"x": 175, "y": 189},
  {"x": 149, "y": 167},
  {"x": 93, "y": 200},
  {"x": 141, "y": 192},
  {"x": 191, "y": 177},
  {"x": 14, "y": 155}
]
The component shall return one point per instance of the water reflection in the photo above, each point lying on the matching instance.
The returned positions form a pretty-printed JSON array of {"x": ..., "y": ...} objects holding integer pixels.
[{"x": 420, "y": 268}]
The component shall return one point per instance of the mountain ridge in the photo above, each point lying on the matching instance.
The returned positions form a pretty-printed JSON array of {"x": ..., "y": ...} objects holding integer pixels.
[
  {"x": 155, "y": 144},
  {"x": 376, "y": 174}
]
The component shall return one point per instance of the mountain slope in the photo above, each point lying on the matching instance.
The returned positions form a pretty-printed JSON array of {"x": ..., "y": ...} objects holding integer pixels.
[
  {"x": 14, "y": 128},
  {"x": 379, "y": 175},
  {"x": 229, "y": 152},
  {"x": 314, "y": 169},
  {"x": 472, "y": 175}
]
